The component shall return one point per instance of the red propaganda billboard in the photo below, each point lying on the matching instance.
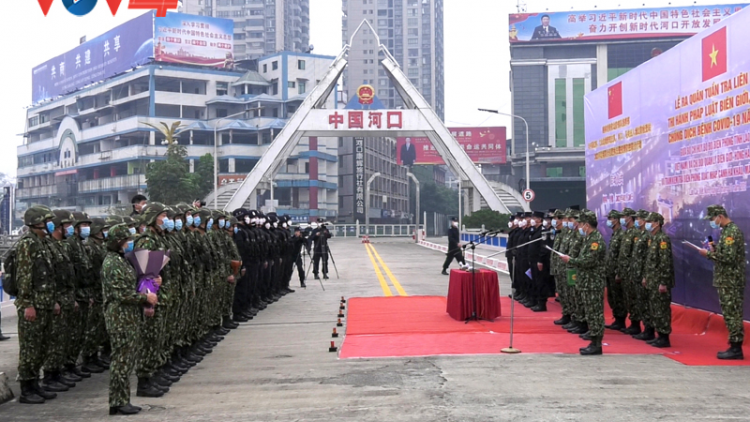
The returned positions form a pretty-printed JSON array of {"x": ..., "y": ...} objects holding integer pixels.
[
  {"x": 484, "y": 145},
  {"x": 616, "y": 24}
]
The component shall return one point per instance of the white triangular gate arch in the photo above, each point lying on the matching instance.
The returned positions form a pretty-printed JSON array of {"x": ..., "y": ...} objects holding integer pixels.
[{"x": 416, "y": 119}]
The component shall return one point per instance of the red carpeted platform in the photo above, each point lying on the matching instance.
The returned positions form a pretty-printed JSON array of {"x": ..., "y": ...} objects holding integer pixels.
[{"x": 419, "y": 326}]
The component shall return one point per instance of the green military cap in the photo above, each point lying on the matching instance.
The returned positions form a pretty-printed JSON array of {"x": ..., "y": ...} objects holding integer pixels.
[
  {"x": 150, "y": 212},
  {"x": 130, "y": 221},
  {"x": 233, "y": 221},
  {"x": 80, "y": 218},
  {"x": 655, "y": 216},
  {"x": 572, "y": 214},
  {"x": 614, "y": 214},
  {"x": 628, "y": 212},
  {"x": 559, "y": 214},
  {"x": 97, "y": 225},
  {"x": 170, "y": 211},
  {"x": 117, "y": 234},
  {"x": 38, "y": 214},
  {"x": 587, "y": 217},
  {"x": 111, "y": 220},
  {"x": 62, "y": 217},
  {"x": 642, "y": 214},
  {"x": 203, "y": 213},
  {"x": 715, "y": 211}
]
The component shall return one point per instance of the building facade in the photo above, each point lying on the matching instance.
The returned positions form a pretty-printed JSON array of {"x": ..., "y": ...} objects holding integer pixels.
[
  {"x": 551, "y": 73},
  {"x": 412, "y": 30},
  {"x": 261, "y": 27},
  {"x": 89, "y": 150}
]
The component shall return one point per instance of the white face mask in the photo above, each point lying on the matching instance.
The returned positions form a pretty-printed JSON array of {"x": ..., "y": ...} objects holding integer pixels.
[
  {"x": 314, "y": 225},
  {"x": 283, "y": 225},
  {"x": 275, "y": 224},
  {"x": 532, "y": 223},
  {"x": 510, "y": 224},
  {"x": 267, "y": 225},
  {"x": 545, "y": 223},
  {"x": 454, "y": 223},
  {"x": 247, "y": 220},
  {"x": 522, "y": 223}
]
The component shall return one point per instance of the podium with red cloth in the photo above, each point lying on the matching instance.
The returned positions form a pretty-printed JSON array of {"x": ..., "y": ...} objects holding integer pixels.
[{"x": 461, "y": 299}]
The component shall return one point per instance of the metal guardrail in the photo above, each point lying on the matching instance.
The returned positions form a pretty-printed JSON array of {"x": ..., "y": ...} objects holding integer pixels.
[{"x": 375, "y": 230}]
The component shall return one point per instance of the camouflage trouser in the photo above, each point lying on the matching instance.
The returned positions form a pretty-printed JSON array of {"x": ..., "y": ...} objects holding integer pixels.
[
  {"x": 567, "y": 301},
  {"x": 77, "y": 326},
  {"x": 579, "y": 304},
  {"x": 660, "y": 310},
  {"x": 33, "y": 340},
  {"x": 593, "y": 305},
  {"x": 94, "y": 328},
  {"x": 631, "y": 299},
  {"x": 226, "y": 307},
  {"x": 731, "y": 299},
  {"x": 57, "y": 345},
  {"x": 149, "y": 358},
  {"x": 124, "y": 353},
  {"x": 616, "y": 297},
  {"x": 641, "y": 305},
  {"x": 167, "y": 329}
]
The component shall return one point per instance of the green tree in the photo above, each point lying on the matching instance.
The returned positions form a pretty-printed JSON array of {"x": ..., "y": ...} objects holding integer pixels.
[
  {"x": 433, "y": 197},
  {"x": 170, "y": 181},
  {"x": 203, "y": 176},
  {"x": 489, "y": 218}
]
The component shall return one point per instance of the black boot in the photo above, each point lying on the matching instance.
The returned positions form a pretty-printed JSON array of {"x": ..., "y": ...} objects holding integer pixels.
[
  {"x": 569, "y": 325},
  {"x": 647, "y": 334},
  {"x": 541, "y": 306},
  {"x": 60, "y": 379},
  {"x": 288, "y": 290},
  {"x": 145, "y": 389},
  {"x": 618, "y": 325},
  {"x": 582, "y": 328},
  {"x": 302, "y": 284},
  {"x": 661, "y": 342},
  {"x": 325, "y": 276},
  {"x": 733, "y": 353},
  {"x": 70, "y": 376},
  {"x": 3, "y": 337},
  {"x": 51, "y": 385},
  {"x": 529, "y": 302},
  {"x": 100, "y": 362},
  {"x": 563, "y": 321},
  {"x": 239, "y": 318},
  {"x": 635, "y": 328},
  {"x": 595, "y": 348},
  {"x": 91, "y": 366},
  {"x": 128, "y": 409},
  {"x": 29, "y": 395},
  {"x": 585, "y": 336},
  {"x": 46, "y": 395}
]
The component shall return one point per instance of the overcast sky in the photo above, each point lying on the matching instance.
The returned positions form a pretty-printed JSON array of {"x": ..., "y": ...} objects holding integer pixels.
[{"x": 476, "y": 51}]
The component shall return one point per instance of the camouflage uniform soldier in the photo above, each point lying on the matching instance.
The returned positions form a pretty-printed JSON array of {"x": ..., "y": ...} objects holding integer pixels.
[
  {"x": 233, "y": 254},
  {"x": 590, "y": 280},
  {"x": 623, "y": 269},
  {"x": 95, "y": 326},
  {"x": 99, "y": 231},
  {"x": 658, "y": 279},
  {"x": 35, "y": 301},
  {"x": 560, "y": 226},
  {"x": 64, "y": 274},
  {"x": 575, "y": 243},
  {"x": 637, "y": 265},
  {"x": 729, "y": 277},
  {"x": 122, "y": 312},
  {"x": 615, "y": 290}
]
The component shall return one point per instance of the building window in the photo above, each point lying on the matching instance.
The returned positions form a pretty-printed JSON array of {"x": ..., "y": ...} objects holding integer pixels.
[
  {"x": 302, "y": 86},
  {"x": 582, "y": 171},
  {"x": 291, "y": 84},
  {"x": 222, "y": 88},
  {"x": 554, "y": 171},
  {"x": 579, "y": 130},
  {"x": 274, "y": 65},
  {"x": 413, "y": 52},
  {"x": 265, "y": 68},
  {"x": 561, "y": 126},
  {"x": 413, "y": 31},
  {"x": 301, "y": 64},
  {"x": 221, "y": 112},
  {"x": 275, "y": 84},
  {"x": 307, "y": 167}
]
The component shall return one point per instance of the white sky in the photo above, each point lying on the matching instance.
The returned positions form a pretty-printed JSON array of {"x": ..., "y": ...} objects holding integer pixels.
[{"x": 476, "y": 51}]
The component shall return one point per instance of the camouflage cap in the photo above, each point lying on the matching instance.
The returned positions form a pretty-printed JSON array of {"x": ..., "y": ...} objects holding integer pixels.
[
  {"x": 587, "y": 217},
  {"x": 111, "y": 220},
  {"x": 81, "y": 218},
  {"x": 62, "y": 217},
  {"x": 628, "y": 212},
  {"x": 615, "y": 214},
  {"x": 130, "y": 221},
  {"x": 715, "y": 211},
  {"x": 233, "y": 221},
  {"x": 170, "y": 211},
  {"x": 38, "y": 214},
  {"x": 118, "y": 234},
  {"x": 642, "y": 214},
  {"x": 571, "y": 213},
  {"x": 203, "y": 213},
  {"x": 97, "y": 225},
  {"x": 655, "y": 216},
  {"x": 559, "y": 214},
  {"x": 150, "y": 212}
]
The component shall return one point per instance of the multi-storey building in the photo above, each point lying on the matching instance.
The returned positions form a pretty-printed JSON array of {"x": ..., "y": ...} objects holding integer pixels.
[
  {"x": 261, "y": 27},
  {"x": 88, "y": 150}
]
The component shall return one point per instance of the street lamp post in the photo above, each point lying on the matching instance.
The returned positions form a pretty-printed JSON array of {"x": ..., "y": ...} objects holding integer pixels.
[
  {"x": 414, "y": 178},
  {"x": 216, "y": 155},
  {"x": 528, "y": 180},
  {"x": 367, "y": 202}
]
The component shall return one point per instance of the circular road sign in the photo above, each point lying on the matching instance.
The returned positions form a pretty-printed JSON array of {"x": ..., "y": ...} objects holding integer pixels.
[{"x": 528, "y": 195}]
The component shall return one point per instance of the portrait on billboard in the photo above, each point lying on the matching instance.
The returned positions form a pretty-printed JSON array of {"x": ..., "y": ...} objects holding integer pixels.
[
  {"x": 545, "y": 31},
  {"x": 408, "y": 153}
]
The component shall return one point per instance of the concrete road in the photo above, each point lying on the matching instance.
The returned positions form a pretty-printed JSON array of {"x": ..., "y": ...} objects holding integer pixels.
[{"x": 278, "y": 368}]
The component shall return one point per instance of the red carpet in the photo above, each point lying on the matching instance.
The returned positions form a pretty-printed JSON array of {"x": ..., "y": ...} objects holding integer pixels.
[{"x": 419, "y": 326}]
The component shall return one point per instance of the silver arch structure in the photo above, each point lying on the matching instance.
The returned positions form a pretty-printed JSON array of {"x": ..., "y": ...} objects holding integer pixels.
[{"x": 311, "y": 119}]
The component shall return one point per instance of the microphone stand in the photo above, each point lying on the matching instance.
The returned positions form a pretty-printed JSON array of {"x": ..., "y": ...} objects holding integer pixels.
[{"x": 482, "y": 239}]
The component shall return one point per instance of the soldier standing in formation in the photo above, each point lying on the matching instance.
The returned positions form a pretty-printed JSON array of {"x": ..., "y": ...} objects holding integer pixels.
[
  {"x": 77, "y": 299},
  {"x": 615, "y": 289},
  {"x": 658, "y": 279},
  {"x": 319, "y": 237},
  {"x": 729, "y": 277}
]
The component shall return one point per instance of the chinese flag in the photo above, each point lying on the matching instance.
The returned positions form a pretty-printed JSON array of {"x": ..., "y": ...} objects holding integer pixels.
[
  {"x": 614, "y": 93},
  {"x": 714, "y": 54}
]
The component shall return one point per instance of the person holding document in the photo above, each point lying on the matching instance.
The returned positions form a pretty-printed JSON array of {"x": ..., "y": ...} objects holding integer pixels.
[{"x": 729, "y": 276}]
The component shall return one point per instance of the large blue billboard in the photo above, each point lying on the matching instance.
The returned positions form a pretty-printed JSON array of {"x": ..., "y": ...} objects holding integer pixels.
[{"x": 130, "y": 44}]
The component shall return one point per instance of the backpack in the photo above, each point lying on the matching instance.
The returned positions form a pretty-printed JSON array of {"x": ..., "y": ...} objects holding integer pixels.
[{"x": 9, "y": 279}]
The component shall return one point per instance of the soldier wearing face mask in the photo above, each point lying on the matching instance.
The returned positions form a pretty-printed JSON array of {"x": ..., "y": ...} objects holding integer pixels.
[
  {"x": 577, "y": 323},
  {"x": 454, "y": 247},
  {"x": 537, "y": 293},
  {"x": 511, "y": 242},
  {"x": 320, "y": 238},
  {"x": 523, "y": 282},
  {"x": 242, "y": 238},
  {"x": 558, "y": 268},
  {"x": 637, "y": 261}
]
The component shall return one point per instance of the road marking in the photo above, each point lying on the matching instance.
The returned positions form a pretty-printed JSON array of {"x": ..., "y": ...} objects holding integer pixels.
[
  {"x": 393, "y": 279},
  {"x": 383, "y": 284}
]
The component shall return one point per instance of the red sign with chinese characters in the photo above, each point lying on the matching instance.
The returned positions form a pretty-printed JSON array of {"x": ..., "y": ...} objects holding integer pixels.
[
  {"x": 484, "y": 145},
  {"x": 351, "y": 119}
]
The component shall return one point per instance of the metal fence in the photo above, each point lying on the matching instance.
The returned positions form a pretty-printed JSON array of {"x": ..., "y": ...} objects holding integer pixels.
[{"x": 375, "y": 230}]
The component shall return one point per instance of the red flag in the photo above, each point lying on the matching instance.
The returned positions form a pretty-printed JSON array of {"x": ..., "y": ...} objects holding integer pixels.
[
  {"x": 714, "y": 54},
  {"x": 614, "y": 93},
  {"x": 114, "y": 5},
  {"x": 45, "y": 5}
]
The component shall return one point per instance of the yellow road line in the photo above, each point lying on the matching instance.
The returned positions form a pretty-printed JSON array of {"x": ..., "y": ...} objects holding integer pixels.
[
  {"x": 383, "y": 284},
  {"x": 393, "y": 279}
]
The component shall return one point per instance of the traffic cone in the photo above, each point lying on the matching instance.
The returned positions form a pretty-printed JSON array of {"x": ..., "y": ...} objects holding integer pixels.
[
  {"x": 343, "y": 300},
  {"x": 341, "y": 313},
  {"x": 333, "y": 347},
  {"x": 342, "y": 307},
  {"x": 335, "y": 334},
  {"x": 339, "y": 324}
]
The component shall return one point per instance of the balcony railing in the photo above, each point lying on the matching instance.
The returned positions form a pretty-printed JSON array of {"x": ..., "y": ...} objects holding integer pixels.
[
  {"x": 112, "y": 183},
  {"x": 36, "y": 192}
]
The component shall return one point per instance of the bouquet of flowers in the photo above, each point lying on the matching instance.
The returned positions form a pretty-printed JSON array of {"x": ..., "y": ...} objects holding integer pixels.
[{"x": 148, "y": 264}]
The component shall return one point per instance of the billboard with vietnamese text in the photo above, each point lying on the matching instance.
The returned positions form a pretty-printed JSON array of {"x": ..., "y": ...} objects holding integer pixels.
[
  {"x": 673, "y": 136},
  {"x": 484, "y": 145},
  {"x": 120, "y": 49},
  {"x": 193, "y": 39},
  {"x": 616, "y": 24}
]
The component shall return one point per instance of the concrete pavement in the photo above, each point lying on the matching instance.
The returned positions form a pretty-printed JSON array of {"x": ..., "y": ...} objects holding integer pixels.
[{"x": 278, "y": 368}]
